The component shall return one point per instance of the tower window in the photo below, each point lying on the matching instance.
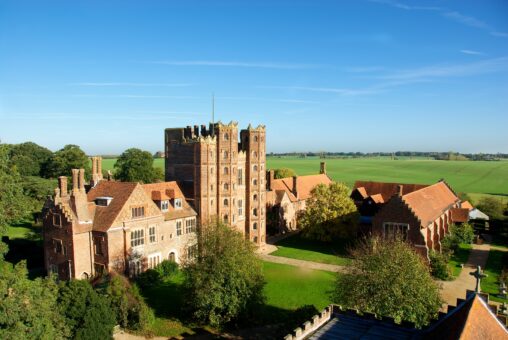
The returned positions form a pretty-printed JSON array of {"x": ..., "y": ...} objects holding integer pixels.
[
  {"x": 255, "y": 139},
  {"x": 226, "y": 186},
  {"x": 226, "y": 170},
  {"x": 255, "y": 168},
  {"x": 255, "y": 226},
  {"x": 226, "y": 136},
  {"x": 226, "y": 202}
]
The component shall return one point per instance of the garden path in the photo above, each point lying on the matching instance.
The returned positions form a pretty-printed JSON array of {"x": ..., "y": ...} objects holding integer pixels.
[
  {"x": 302, "y": 263},
  {"x": 453, "y": 290}
]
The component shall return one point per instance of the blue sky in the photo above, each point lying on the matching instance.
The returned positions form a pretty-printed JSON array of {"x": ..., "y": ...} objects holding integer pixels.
[{"x": 321, "y": 75}]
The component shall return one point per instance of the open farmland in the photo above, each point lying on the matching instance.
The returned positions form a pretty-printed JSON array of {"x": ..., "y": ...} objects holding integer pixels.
[{"x": 464, "y": 176}]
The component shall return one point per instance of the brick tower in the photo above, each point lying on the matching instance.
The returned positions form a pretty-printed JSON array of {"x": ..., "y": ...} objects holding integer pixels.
[{"x": 222, "y": 177}]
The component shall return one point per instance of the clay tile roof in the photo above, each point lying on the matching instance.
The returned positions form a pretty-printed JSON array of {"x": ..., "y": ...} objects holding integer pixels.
[
  {"x": 386, "y": 190},
  {"x": 430, "y": 202},
  {"x": 377, "y": 198},
  {"x": 120, "y": 191},
  {"x": 471, "y": 319},
  {"x": 460, "y": 215},
  {"x": 171, "y": 190},
  {"x": 466, "y": 205},
  {"x": 304, "y": 185}
]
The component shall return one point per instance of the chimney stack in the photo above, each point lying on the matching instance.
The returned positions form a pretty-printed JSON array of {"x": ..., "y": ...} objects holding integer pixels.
[
  {"x": 82, "y": 180},
  {"x": 295, "y": 190},
  {"x": 322, "y": 168},
  {"x": 94, "y": 165},
  {"x": 99, "y": 166},
  {"x": 62, "y": 185},
  {"x": 269, "y": 179},
  {"x": 75, "y": 185},
  {"x": 399, "y": 190}
]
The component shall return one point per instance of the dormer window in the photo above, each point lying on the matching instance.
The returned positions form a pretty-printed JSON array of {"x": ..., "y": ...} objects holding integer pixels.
[
  {"x": 164, "y": 205},
  {"x": 103, "y": 201},
  {"x": 178, "y": 203}
]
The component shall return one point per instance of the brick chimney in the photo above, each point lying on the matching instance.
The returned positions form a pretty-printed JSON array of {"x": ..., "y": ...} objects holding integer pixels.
[
  {"x": 82, "y": 180},
  {"x": 62, "y": 185},
  {"x": 295, "y": 190},
  {"x": 96, "y": 171},
  {"x": 75, "y": 183},
  {"x": 322, "y": 168},
  {"x": 270, "y": 176},
  {"x": 399, "y": 190}
]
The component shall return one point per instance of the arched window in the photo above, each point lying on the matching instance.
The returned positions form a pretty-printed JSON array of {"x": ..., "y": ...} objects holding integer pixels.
[
  {"x": 226, "y": 202},
  {"x": 211, "y": 171},
  {"x": 255, "y": 239},
  {"x": 255, "y": 211},
  {"x": 255, "y": 226},
  {"x": 255, "y": 197},
  {"x": 226, "y": 155},
  {"x": 255, "y": 181},
  {"x": 172, "y": 257},
  {"x": 226, "y": 217},
  {"x": 226, "y": 186},
  {"x": 254, "y": 154},
  {"x": 255, "y": 138},
  {"x": 226, "y": 170},
  {"x": 226, "y": 136},
  {"x": 255, "y": 168}
]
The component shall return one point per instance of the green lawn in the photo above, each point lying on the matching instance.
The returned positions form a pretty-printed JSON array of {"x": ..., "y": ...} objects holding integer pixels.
[
  {"x": 21, "y": 230},
  {"x": 297, "y": 247},
  {"x": 498, "y": 256},
  {"x": 459, "y": 257},
  {"x": 287, "y": 288}
]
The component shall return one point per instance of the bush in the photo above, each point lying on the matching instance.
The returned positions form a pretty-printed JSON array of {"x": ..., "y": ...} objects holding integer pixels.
[
  {"x": 283, "y": 173},
  {"x": 166, "y": 269},
  {"x": 149, "y": 278},
  {"x": 462, "y": 233},
  {"x": 439, "y": 265},
  {"x": 491, "y": 206}
]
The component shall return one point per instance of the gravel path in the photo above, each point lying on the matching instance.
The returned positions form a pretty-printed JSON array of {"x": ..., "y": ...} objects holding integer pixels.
[{"x": 302, "y": 263}]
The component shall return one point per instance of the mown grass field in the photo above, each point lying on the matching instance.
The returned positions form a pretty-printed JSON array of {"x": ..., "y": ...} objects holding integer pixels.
[
  {"x": 480, "y": 177},
  {"x": 287, "y": 288},
  {"x": 296, "y": 247},
  {"x": 459, "y": 257}
]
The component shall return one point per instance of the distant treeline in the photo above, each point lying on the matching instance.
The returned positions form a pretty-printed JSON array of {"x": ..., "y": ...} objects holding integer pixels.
[{"x": 449, "y": 156}]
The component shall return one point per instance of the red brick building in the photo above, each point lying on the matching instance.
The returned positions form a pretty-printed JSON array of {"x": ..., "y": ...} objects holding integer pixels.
[{"x": 120, "y": 226}]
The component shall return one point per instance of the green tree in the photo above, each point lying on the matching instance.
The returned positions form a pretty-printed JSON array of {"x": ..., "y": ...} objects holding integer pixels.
[
  {"x": 225, "y": 282},
  {"x": 66, "y": 159},
  {"x": 29, "y": 158},
  {"x": 388, "y": 278},
  {"x": 130, "y": 309},
  {"x": 283, "y": 173},
  {"x": 491, "y": 206},
  {"x": 330, "y": 213},
  {"x": 135, "y": 165},
  {"x": 13, "y": 204},
  {"x": 28, "y": 308},
  {"x": 88, "y": 313}
]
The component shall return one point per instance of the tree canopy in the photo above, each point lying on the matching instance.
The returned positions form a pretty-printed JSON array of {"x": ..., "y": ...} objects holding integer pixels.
[
  {"x": 135, "y": 165},
  {"x": 226, "y": 281},
  {"x": 64, "y": 160},
  {"x": 283, "y": 173},
  {"x": 88, "y": 314},
  {"x": 388, "y": 278},
  {"x": 29, "y": 158},
  {"x": 491, "y": 206},
  {"x": 329, "y": 214}
]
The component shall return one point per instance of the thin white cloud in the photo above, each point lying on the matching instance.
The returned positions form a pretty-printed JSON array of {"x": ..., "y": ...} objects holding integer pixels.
[
  {"x": 338, "y": 91},
  {"x": 472, "y": 52},
  {"x": 131, "y": 84},
  {"x": 281, "y": 100},
  {"x": 448, "y": 14},
  {"x": 215, "y": 63}
]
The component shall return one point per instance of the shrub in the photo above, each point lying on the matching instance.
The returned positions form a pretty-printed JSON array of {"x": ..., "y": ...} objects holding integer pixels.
[
  {"x": 439, "y": 265},
  {"x": 149, "y": 278},
  {"x": 166, "y": 269}
]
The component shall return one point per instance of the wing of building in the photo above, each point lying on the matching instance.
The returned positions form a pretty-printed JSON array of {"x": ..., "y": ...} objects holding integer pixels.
[{"x": 115, "y": 226}]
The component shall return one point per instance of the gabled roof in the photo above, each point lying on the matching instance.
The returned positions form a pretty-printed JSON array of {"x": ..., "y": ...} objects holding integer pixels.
[
  {"x": 169, "y": 190},
  {"x": 304, "y": 185},
  {"x": 459, "y": 215},
  {"x": 430, "y": 202},
  {"x": 386, "y": 190},
  {"x": 378, "y": 198},
  {"x": 120, "y": 191},
  {"x": 466, "y": 205},
  {"x": 471, "y": 319}
]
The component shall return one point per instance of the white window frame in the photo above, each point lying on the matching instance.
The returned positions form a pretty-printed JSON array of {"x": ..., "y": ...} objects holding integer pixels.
[
  {"x": 165, "y": 205},
  {"x": 154, "y": 260},
  {"x": 154, "y": 235},
  {"x": 140, "y": 239},
  {"x": 179, "y": 229},
  {"x": 178, "y": 203}
]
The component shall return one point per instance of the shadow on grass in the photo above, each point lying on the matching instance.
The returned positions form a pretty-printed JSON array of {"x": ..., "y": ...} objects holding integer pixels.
[
  {"x": 265, "y": 322},
  {"x": 338, "y": 247}
]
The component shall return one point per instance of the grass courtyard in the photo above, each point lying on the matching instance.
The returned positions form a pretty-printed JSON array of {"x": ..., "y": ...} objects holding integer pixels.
[
  {"x": 459, "y": 257},
  {"x": 497, "y": 260},
  {"x": 287, "y": 289},
  {"x": 297, "y": 247}
]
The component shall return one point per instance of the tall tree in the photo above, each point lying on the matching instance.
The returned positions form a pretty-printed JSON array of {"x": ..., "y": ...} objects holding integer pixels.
[
  {"x": 388, "y": 278},
  {"x": 135, "y": 165},
  {"x": 225, "y": 282},
  {"x": 13, "y": 204},
  {"x": 28, "y": 308},
  {"x": 88, "y": 313},
  {"x": 29, "y": 158},
  {"x": 66, "y": 159},
  {"x": 330, "y": 213}
]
